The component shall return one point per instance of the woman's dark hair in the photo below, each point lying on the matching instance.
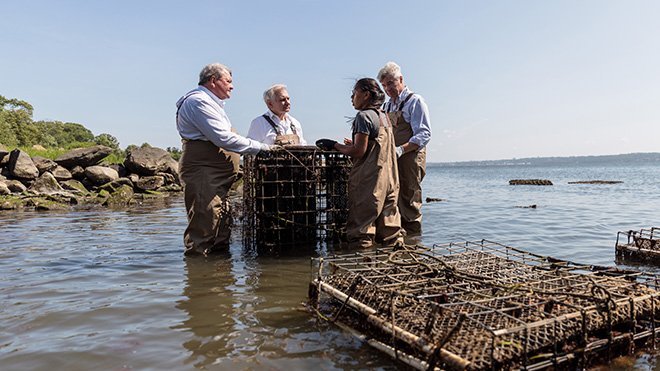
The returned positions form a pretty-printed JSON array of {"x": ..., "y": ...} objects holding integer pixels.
[{"x": 376, "y": 95}]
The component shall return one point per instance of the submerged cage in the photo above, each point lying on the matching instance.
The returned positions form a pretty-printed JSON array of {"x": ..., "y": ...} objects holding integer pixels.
[
  {"x": 483, "y": 305},
  {"x": 297, "y": 195},
  {"x": 643, "y": 244}
]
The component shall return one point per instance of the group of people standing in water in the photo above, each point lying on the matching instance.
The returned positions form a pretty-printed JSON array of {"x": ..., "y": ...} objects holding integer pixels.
[{"x": 387, "y": 145}]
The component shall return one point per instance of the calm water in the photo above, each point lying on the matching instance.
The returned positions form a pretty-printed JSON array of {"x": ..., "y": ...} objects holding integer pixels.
[{"x": 110, "y": 290}]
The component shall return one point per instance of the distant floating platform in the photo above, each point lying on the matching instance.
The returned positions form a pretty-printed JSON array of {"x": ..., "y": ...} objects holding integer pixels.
[
  {"x": 596, "y": 182},
  {"x": 542, "y": 182}
]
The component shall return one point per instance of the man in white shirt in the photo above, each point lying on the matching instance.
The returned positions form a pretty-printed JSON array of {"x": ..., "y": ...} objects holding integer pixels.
[
  {"x": 411, "y": 123},
  {"x": 209, "y": 162},
  {"x": 276, "y": 126}
]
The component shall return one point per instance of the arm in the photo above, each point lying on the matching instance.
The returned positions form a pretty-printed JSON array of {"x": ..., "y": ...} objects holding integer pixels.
[
  {"x": 420, "y": 122},
  {"x": 357, "y": 148}
]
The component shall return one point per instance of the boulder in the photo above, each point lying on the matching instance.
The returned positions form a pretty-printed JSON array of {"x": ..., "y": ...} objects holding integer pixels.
[
  {"x": 133, "y": 178},
  {"x": 44, "y": 164},
  {"x": 4, "y": 158},
  {"x": 100, "y": 174},
  {"x": 75, "y": 186},
  {"x": 83, "y": 156},
  {"x": 15, "y": 186},
  {"x": 78, "y": 172},
  {"x": 121, "y": 170},
  {"x": 150, "y": 183},
  {"x": 21, "y": 165},
  {"x": 169, "y": 178},
  {"x": 115, "y": 184},
  {"x": 45, "y": 184},
  {"x": 60, "y": 173},
  {"x": 147, "y": 161},
  {"x": 122, "y": 196},
  {"x": 4, "y": 190}
]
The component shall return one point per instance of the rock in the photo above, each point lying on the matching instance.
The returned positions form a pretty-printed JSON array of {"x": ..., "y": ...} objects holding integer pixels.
[
  {"x": 4, "y": 190},
  {"x": 148, "y": 160},
  {"x": 83, "y": 156},
  {"x": 38, "y": 147},
  {"x": 45, "y": 184},
  {"x": 100, "y": 174},
  {"x": 15, "y": 186},
  {"x": 527, "y": 207},
  {"x": 45, "y": 204},
  {"x": 432, "y": 199},
  {"x": 121, "y": 170},
  {"x": 170, "y": 188},
  {"x": 530, "y": 182},
  {"x": 133, "y": 178},
  {"x": 11, "y": 203},
  {"x": 21, "y": 165},
  {"x": 74, "y": 185},
  {"x": 3, "y": 155},
  {"x": 78, "y": 172},
  {"x": 44, "y": 164},
  {"x": 169, "y": 178},
  {"x": 122, "y": 196},
  {"x": 60, "y": 173},
  {"x": 115, "y": 184},
  {"x": 150, "y": 183}
]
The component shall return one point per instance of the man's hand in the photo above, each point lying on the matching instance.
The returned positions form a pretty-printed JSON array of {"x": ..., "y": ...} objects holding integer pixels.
[
  {"x": 275, "y": 147},
  {"x": 399, "y": 151},
  {"x": 326, "y": 144}
]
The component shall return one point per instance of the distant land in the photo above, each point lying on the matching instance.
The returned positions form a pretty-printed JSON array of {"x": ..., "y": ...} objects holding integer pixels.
[{"x": 649, "y": 158}]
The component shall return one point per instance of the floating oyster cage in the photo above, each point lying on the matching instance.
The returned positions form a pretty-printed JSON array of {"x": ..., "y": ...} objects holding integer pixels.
[
  {"x": 297, "y": 195},
  {"x": 643, "y": 244},
  {"x": 483, "y": 305}
]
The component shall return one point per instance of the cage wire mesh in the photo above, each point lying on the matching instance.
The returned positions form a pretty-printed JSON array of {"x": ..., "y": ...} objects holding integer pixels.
[
  {"x": 483, "y": 305},
  {"x": 297, "y": 195},
  {"x": 643, "y": 244}
]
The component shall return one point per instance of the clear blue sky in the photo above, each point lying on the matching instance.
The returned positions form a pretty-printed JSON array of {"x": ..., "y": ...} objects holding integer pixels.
[{"x": 502, "y": 79}]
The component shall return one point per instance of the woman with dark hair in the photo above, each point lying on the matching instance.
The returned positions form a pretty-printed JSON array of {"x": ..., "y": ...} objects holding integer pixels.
[{"x": 373, "y": 185}]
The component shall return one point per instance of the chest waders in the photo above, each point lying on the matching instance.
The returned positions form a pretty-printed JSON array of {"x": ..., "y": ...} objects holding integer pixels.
[
  {"x": 373, "y": 188},
  {"x": 282, "y": 139},
  {"x": 412, "y": 169}
]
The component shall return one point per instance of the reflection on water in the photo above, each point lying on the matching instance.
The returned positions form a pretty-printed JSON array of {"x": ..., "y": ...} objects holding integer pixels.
[{"x": 110, "y": 289}]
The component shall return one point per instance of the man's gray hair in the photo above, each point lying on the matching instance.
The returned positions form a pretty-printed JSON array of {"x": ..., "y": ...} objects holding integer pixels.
[
  {"x": 270, "y": 92},
  {"x": 390, "y": 69},
  {"x": 213, "y": 70}
]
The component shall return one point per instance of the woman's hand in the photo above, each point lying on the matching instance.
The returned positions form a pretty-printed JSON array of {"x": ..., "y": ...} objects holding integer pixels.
[{"x": 348, "y": 142}]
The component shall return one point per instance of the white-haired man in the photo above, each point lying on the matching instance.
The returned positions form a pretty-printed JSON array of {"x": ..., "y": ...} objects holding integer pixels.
[
  {"x": 209, "y": 163},
  {"x": 277, "y": 126},
  {"x": 412, "y": 132}
]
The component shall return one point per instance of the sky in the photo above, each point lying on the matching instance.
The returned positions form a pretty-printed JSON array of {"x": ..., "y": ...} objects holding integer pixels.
[{"x": 502, "y": 79}]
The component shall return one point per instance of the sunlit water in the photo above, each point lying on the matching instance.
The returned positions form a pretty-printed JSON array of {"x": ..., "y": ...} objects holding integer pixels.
[{"x": 110, "y": 290}]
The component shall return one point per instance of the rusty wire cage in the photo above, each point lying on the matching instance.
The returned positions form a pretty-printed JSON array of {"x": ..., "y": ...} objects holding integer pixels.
[
  {"x": 643, "y": 244},
  {"x": 295, "y": 196},
  {"x": 482, "y": 305}
]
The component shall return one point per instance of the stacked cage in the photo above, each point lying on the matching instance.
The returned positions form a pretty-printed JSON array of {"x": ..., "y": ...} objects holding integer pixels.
[
  {"x": 295, "y": 196},
  {"x": 483, "y": 305},
  {"x": 641, "y": 245}
]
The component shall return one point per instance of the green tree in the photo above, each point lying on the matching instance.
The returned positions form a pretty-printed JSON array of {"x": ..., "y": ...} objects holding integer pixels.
[{"x": 107, "y": 140}]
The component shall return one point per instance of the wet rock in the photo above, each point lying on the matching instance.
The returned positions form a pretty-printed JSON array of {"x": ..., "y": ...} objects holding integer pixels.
[
  {"x": 46, "y": 204},
  {"x": 43, "y": 164},
  {"x": 122, "y": 196},
  {"x": 83, "y": 156},
  {"x": 11, "y": 203},
  {"x": 116, "y": 184},
  {"x": 4, "y": 190},
  {"x": 169, "y": 178},
  {"x": 15, "y": 186},
  {"x": 21, "y": 166},
  {"x": 45, "y": 184},
  {"x": 60, "y": 173},
  {"x": 530, "y": 182},
  {"x": 170, "y": 188},
  {"x": 148, "y": 160},
  {"x": 150, "y": 183},
  {"x": 74, "y": 185},
  {"x": 100, "y": 174},
  {"x": 527, "y": 207},
  {"x": 432, "y": 199}
]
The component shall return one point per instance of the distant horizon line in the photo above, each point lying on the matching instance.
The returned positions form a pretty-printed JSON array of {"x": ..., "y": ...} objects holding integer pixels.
[{"x": 518, "y": 159}]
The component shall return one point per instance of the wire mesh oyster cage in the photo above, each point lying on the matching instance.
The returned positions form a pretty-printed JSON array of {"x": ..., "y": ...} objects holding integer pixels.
[
  {"x": 297, "y": 195},
  {"x": 643, "y": 244},
  {"x": 483, "y": 305}
]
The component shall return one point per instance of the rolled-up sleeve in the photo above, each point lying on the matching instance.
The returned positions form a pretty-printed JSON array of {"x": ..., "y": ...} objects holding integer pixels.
[{"x": 420, "y": 121}]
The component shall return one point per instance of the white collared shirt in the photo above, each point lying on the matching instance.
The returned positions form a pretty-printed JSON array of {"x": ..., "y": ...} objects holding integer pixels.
[
  {"x": 201, "y": 116},
  {"x": 416, "y": 112},
  {"x": 262, "y": 131}
]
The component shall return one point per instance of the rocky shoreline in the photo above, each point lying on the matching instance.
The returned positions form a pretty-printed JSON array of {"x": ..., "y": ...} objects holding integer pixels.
[{"x": 78, "y": 178}]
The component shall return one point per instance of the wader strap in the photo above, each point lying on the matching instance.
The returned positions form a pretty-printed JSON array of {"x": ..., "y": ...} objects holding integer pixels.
[
  {"x": 405, "y": 101},
  {"x": 183, "y": 101},
  {"x": 270, "y": 121}
]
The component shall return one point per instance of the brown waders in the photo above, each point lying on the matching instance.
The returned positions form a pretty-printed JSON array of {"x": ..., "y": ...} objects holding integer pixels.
[
  {"x": 208, "y": 173},
  {"x": 372, "y": 193},
  {"x": 412, "y": 169},
  {"x": 282, "y": 139}
]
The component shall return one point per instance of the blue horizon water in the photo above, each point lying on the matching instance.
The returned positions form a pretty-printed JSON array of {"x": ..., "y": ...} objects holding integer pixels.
[{"x": 110, "y": 289}]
